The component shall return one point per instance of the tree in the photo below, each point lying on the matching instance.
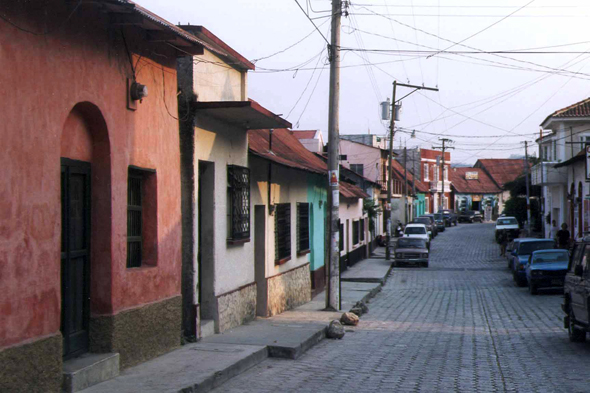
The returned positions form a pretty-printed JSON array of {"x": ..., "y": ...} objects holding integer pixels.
[
  {"x": 516, "y": 205},
  {"x": 372, "y": 210}
]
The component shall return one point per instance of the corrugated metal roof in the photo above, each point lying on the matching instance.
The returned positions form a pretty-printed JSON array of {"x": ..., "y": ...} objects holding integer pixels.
[
  {"x": 502, "y": 170},
  {"x": 398, "y": 173},
  {"x": 304, "y": 134},
  {"x": 482, "y": 185},
  {"x": 288, "y": 151}
]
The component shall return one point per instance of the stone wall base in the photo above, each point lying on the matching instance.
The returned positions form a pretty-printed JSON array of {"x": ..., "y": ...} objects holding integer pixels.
[
  {"x": 32, "y": 367},
  {"x": 289, "y": 290},
  {"x": 140, "y": 334},
  {"x": 236, "y": 307}
]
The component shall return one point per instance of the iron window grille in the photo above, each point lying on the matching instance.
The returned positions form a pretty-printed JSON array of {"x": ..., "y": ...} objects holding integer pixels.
[
  {"x": 238, "y": 195},
  {"x": 134, "y": 218},
  {"x": 282, "y": 233},
  {"x": 357, "y": 168},
  {"x": 341, "y": 237},
  {"x": 362, "y": 229},
  {"x": 355, "y": 232},
  {"x": 302, "y": 227}
]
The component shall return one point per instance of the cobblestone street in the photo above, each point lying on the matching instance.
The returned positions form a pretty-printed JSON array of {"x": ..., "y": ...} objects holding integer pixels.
[{"x": 460, "y": 325}]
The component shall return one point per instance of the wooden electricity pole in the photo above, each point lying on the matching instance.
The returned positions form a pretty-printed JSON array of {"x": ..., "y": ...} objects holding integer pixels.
[
  {"x": 444, "y": 147},
  {"x": 333, "y": 284},
  {"x": 390, "y": 158},
  {"x": 528, "y": 199}
]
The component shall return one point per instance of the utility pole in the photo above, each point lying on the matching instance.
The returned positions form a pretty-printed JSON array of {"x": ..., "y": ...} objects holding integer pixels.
[
  {"x": 405, "y": 186},
  {"x": 528, "y": 200},
  {"x": 390, "y": 174},
  {"x": 542, "y": 209},
  {"x": 333, "y": 287},
  {"x": 414, "y": 207},
  {"x": 444, "y": 147}
]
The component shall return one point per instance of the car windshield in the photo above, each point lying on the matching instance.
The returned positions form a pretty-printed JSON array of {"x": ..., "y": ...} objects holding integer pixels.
[
  {"x": 438, "y": 216},
  {"x": 411, "y": 243},
  {"x": 507, "y": 221},
  {"x": 528, "y": 247},
  {"x": 552, "y": 257},
  {"x": 415, "y": 231},
  {"x": 422, "y": 220}
]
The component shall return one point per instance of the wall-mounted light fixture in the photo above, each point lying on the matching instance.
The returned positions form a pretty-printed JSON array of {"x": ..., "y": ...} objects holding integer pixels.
[{"x": 138, "y": 91}]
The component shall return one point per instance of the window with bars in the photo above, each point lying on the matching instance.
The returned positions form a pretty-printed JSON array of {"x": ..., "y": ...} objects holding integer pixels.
[
  {"x": 238, "y": 203},
  {"x": 357, "y": 168},
  {"x": 355, "y": 233},
  {"x": 282, "y": 233},
  {"x": 302, "y": 227},
  {"x": 141, "y": 217},
  {"x": 362, "y": 229},
  {"x": 341, "y": 237},
  {"x": 426, "y": 178}
]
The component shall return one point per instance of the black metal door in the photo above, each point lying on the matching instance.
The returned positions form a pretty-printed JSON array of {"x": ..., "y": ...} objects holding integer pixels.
[{"x": 75, "y": 256}]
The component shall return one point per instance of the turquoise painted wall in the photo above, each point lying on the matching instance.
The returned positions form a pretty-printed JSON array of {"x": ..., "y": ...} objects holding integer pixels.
[
  {"x": 420, "y": 204},
  {"x": 316, "y": 193}
]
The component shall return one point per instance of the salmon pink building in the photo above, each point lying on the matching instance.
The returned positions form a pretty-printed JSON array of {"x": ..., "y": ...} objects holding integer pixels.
[{"x": 90, "y": 229}]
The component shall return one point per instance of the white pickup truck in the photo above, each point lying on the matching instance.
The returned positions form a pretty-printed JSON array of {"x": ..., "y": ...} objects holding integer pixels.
[{"x": 509, "y": 224}]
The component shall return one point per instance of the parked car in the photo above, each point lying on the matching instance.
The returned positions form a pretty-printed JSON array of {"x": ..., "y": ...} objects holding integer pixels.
[
  {"x": 470, "y": 216},
  {"x": 418, "y": 231},
  {"x": 576, "y": 291},
  {"x": 513, "y": 245},
  {"x": 521, "y": 254},
  {"x": 546, "y": 269},
  {"x": 441, "y": 222},
  {"x": 412, "y": 251},
  {"x": 451, "y": 216},
  {"x": 440, "y": 226},
  {"x": 425, "y": 221},
  {"x": 509, "y": 224},
  {"x": 432, "y": 223}
]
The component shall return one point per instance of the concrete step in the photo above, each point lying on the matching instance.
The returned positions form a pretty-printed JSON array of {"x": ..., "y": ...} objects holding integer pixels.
[
  {"x": 207, "y": 327},
  {"x": 88, "y": 370}
]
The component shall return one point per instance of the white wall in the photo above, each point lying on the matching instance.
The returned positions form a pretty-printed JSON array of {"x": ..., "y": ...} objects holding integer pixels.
[
  {"x": 288, "y": 186},
  {"x": 214, "y": 82},
  {"x": 350, "y": 210},
  {"x": 369, "y": 156},
  {"x": 234, "y": 264}
]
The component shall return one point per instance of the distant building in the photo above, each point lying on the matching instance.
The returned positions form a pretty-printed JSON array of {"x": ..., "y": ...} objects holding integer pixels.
[
  {"x": 311, "y": 139},
  {"x": 473, "y": 189},
  {"x": 378, "y": 141},
  {"x": 502, "y": 171}
]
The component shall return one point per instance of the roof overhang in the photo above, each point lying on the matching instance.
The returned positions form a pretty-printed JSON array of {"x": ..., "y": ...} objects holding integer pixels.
[
  {"x": 581, "y": 156},
  {"x": 550, "y": 121},
  {"x": 246, "y": 114},
  {"x": 126, "y": 13}
]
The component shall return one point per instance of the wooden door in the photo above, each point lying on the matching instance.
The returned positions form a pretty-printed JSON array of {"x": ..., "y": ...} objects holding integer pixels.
[{"x": 75, "y": 256}]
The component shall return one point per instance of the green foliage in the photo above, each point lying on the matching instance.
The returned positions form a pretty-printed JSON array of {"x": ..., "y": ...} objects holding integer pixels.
[
  {"x": 372, "y": 210},
  {"x": 517, "y": 188},
  {"x": 516, "y": 207}
]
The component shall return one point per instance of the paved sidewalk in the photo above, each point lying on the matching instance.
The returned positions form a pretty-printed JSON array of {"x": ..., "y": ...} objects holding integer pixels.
[{"x": 202, "y": 366}]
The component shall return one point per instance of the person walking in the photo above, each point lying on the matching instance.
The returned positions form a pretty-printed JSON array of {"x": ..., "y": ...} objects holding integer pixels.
[
  {"x": 503, "y": 240},
  {"x": 563, "y": 237}
]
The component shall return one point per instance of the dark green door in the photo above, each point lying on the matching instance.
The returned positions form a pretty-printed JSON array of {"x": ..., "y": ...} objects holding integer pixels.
[{"x": 75, "y": 256}]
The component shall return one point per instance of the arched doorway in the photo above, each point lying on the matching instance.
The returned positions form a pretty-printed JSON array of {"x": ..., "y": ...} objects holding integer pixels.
[{"x": 85, "y": 234}]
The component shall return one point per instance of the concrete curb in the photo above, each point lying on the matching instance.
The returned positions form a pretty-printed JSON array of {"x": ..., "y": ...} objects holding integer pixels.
[
  {"x": 220, "y": 377},
  {"x": 295, "y": 352},
  {"x": 375, "y": 291}
]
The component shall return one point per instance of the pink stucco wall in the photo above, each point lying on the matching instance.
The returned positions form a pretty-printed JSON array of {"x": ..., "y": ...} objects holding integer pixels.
[{"x": 42, "y": 79}]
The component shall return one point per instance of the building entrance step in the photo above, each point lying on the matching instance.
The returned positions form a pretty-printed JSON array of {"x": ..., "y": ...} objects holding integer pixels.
[
  {"x": 207, "y": 327},
  {"x": 88, "y": 370}
]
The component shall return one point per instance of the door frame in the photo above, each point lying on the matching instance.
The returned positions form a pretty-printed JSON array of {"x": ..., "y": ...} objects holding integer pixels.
[{"x": 67, "y": 167}]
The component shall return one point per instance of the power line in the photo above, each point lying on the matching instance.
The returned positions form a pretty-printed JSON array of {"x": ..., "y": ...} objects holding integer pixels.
[
  {"x": 59, "y": 26},
  {"x": 313, "y": 23}
]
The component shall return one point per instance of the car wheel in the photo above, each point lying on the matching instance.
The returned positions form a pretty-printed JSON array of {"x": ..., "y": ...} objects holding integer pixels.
[
  {"x": 532, "y": 289},
  {"x": 575, "y": 334}
]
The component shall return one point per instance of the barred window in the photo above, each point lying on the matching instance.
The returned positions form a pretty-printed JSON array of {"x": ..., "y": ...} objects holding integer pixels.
[
  {"x": 302, "y": 227},
  {"x": 355, "y": 232},
  {"x": 282, "y": 233},
  {"x": 357, "y": 168},
  {"x": 362, "y": 229},
  {"x": 141, "y": 217},
  {"x": 341, "y": 237},
  {"x": 238, "y": 203}
]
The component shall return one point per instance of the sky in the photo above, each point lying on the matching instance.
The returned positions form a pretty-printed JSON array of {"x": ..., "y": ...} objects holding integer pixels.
[{"x": 488, "y": 104}]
